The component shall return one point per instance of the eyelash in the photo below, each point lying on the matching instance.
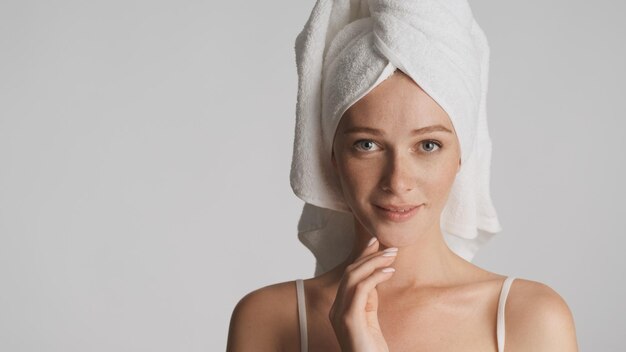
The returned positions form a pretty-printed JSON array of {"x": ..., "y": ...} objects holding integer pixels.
[{"x": 437, "y": 143}]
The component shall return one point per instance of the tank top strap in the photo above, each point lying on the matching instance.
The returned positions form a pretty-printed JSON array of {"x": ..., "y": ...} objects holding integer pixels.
[
  {"x": 504, "y": 292},
  {"x": 302, "y": 315}
]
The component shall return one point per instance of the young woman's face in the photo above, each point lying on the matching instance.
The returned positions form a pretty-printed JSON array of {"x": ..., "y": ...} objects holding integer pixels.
[{"x": 382, "y": 159}]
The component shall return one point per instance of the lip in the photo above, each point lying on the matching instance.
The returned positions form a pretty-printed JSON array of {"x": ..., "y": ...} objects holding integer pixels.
[
  {"x": 396, "y": 215},
  {"x": 395, "y": 207}
]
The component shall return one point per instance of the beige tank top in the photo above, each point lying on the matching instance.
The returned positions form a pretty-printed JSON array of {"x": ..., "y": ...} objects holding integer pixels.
[{"x": 504, "y": 292}]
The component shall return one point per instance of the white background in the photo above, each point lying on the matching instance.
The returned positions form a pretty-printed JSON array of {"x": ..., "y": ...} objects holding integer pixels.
[{"x": 145, "y": 149}]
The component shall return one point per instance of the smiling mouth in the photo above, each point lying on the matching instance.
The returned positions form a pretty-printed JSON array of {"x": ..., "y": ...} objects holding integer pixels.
[
  {"x": 402, "y": 209},
  {"x": 400, "y": 214}
]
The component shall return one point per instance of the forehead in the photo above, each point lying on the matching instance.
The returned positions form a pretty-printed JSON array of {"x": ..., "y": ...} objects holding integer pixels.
[{"x": 397, "y": 102}]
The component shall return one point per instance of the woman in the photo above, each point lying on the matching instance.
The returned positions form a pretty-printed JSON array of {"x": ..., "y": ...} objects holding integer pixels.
[{"x": 397, "y": 157}]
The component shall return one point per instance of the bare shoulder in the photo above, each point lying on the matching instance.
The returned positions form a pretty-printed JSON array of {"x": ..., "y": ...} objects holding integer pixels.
[
  {"x": 538, "y": 319},
  {"x": 264, "y": 318}
]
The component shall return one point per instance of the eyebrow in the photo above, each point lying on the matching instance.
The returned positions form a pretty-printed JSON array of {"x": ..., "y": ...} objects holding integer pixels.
[{"x": 377, "y": 132}]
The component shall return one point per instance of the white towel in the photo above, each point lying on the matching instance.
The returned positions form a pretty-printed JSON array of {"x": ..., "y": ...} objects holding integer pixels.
[{"x": 345, "y": 49}]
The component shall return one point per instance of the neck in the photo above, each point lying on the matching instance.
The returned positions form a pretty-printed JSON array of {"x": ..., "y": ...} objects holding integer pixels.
[{"x": 425, "y": 262}]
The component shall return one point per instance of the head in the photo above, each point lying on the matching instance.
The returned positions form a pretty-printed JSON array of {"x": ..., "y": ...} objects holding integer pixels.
[{"x": 380, "y": 161}]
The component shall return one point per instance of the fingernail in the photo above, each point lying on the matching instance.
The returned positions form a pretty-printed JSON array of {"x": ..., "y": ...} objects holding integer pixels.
[
  {"x": 372, "y": 241},
  {"x": 390, "y": 254},
  {"x": 391, "y": 249},
  {"x": 388, "y": 270}
]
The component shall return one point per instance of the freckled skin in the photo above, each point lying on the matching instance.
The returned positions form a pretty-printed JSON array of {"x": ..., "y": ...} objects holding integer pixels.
[
  {"x": 396, "y": 167},
  {"x": 435, "y": 300}
]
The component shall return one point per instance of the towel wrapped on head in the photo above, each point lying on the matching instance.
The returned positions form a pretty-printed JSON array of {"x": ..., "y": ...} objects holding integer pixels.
[{"x": 346, "y": 48}]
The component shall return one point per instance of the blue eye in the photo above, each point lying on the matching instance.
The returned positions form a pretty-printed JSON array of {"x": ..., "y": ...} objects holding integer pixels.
[
  {"x": 431, "y": 143},
  {"x": 368, "y": 144},
  {"x": 364, "y": 142}
]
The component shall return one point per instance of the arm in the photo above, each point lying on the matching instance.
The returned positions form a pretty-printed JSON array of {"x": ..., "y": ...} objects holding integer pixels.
[
  {"x": 253, "y": 323},
  {"x": 539, "y": 320}
]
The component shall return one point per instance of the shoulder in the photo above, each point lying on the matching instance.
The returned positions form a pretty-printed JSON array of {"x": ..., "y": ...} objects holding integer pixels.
[
  {"x": 538, "y": 319},
  {"x": 263, "y": 318}
]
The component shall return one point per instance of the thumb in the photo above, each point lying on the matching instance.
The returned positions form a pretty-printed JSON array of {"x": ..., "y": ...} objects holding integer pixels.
[
  {"x": 371, "y": 306},
  {"x": 371, "y": 310}
]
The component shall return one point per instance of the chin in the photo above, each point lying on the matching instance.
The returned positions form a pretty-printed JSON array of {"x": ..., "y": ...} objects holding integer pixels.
[
  {"x": 396, "y": 237},
  {"x": 395, "y": 234}
]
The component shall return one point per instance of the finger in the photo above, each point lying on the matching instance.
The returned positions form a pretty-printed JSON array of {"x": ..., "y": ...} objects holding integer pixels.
[
  {"x": 366, "y": 252},
  {"x": 372, "y": 247},
  {"x": 379, "y": 260},
  {"x": 357, "y": 262},
  {"x": 363, "y": 289}
]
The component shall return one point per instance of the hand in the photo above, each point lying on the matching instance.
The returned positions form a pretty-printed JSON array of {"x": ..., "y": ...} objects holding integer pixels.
[{"x": 354, "y": 313}]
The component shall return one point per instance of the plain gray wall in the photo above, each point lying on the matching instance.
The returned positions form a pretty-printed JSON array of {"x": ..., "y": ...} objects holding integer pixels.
[{"x": 145, "y": 149}]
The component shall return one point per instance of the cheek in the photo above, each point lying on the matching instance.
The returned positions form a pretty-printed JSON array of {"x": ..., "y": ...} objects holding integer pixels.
[
  {"x": 357, "y": 177},
  {"x": 438, "y": 182},
  {"x": 431, "y": 179}
]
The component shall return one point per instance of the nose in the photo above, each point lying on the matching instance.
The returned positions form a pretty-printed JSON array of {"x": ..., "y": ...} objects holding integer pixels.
[{"x": 399, "y": 175}]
